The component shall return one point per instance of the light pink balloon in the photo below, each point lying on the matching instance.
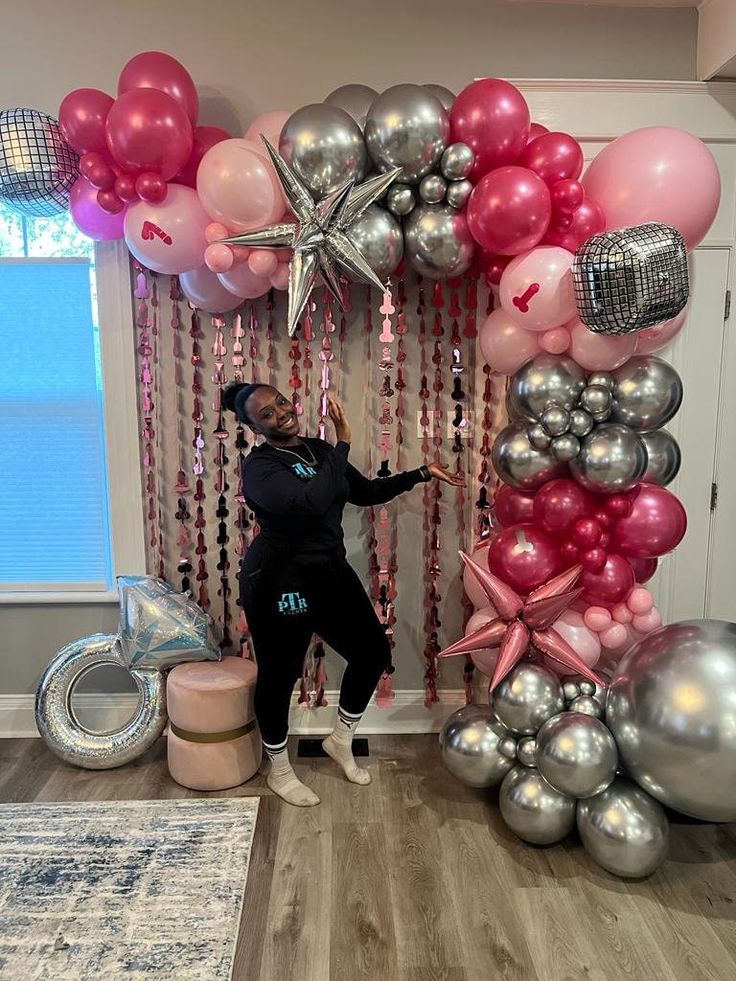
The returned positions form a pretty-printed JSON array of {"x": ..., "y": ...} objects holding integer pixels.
[
  {"x": 599, "y": 352},
  {"x": 653, "y": 339},
  {"x": 657, "y": 173},
  {"x": 238, "y": 187},
  {"x": 270, "y": 125},
  {"x": 218, "y": 258},
  {"x": 241, "y": 281},
  {"x": 89, "y": 217},
  {"x": 584, "y": 641},
  {"x": 536, "y": 288},
  {"x": 475, "y": 592},
  {"x": 555, "y": 341},
  {"x": 168, "y": 237},
  {"x": 202, "y": 288},
  {"x": 504, "y": 345},
  {"x": 612, "y": 655},
  {"x": 613, "y": 636},
  {"x": 280, "y": 278},
  {"x": 261, "y": 262},
  {"x": 215, "y": 231},
  {"x": 647, "y": 622},
  {"x": 597, "y": 618},
  {"x": 484, "y": 659},
  {"x": 640, "y": 600},
  {"x": 621, "y": 613}
]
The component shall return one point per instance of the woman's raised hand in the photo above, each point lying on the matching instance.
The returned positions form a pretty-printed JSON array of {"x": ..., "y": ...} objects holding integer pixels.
[
  {"x": 443, "y": 473},
  {"x": 339, "y": 419}
]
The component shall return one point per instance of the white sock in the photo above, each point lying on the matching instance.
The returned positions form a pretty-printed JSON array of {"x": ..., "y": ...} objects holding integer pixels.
[
  {"x": 339, "y": 745},
  {"x": 283, "y": 781}
]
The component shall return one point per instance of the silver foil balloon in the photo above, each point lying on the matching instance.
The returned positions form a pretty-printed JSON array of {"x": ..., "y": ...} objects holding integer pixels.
[
  {"x": 62, "y": 731},
  {"x": 528, "y": 696},
  {"x": 533, "y": 810},
  {"x": 437, "y": 242},
  {"x": 544, "y": 379},
  {"x": 647, "y": 393},
  {"x": 624, "y": 830},
  {"x": 555, "y": 420},
  {"x": 538, "y": 437},
  {"x": 565, "y": 448},
  {"x": 161, "y": 627},
  {"x": 631, "y": 278},
  {"x": 596, "y": 399},
  {"x": 445, "y": 96},
  {"x": 37, "y": 165},
  {"x": 581, "y": 422},
  {"x": 588, "y": 706},
  {"x": 432, "y": 188},
  {"x": 401, "y": 199},
  {"x": 457, "y": 161},
  {"x": 324, "y": 146},
  {"x": 672, "y": 709},
  {"x": 407, "y": 127},
  {"x": 469, "y": 743},
  {"x": 378, "y": 237},
  {"x": 576, "y": 754},
  {"x": 611, "y": 459},
  {"x": 458, "y": 192},
  {"x": 355, "y": 99},
  {"x": 519, "y": 463},
  {"x": 526, "y": 751},
  {"x": 663, "y": 457}
]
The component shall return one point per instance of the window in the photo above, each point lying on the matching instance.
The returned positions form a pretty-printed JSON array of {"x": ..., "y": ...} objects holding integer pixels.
[{"x": 54, "y": 512}]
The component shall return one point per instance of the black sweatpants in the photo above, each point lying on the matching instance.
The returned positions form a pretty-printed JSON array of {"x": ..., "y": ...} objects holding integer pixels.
[{"x": 284, "y": 607}]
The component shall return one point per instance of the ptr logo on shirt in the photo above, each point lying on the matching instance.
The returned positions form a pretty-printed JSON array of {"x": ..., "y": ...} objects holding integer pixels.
[{"x": 292, "y": 603}]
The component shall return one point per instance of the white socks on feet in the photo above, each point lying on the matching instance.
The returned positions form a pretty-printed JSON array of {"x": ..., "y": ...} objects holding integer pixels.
[
  {"x": 283, "y": 781},
  {"x": 339, "y": 745}
]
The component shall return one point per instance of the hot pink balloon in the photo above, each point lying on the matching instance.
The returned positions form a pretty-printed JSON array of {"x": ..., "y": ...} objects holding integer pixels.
[
  {"x": 653, "y": 339},
  {"x": 203, "y": 139},
  {"x": 97, "y": 170},
  {"x": 504, "y": 345},
  {"x": 147, "y": 131},
  {"x": 559, "y": 504},
  {"x": 599, "y": 352},
  {"x": 261, "y": 262},
  {"x": 512, "y": 506},
  {"x": 280, "y": 278},
  {"x": 657, "y": 173},
  {"x": 241, "y": 281},
  {"x": 218, "y": 258},
  {"x": 535, "y": 130},
  {"x": 554, "y": 156},
  {"x": 492, "y": 117},
  {"x": 89, "y": 217},
  {"x": 492, "y": 266},
  {"x": 567, "y": 196},
  {"x": 82, "y": 116},
  {"x": 157, "y": 70},
  {"x": 571, "y": 627},
  {"x": 169, "y": 237},
  {"x": 269, "y": 124},
  {"x": 150, "y": 188},
  {"x": 523, "y": 557},
  {"x": 610, "y": 586},
  {"x": 475, "y": 592},
  {"x": 509, "y": 210},
  {"x": 202, "y": 288},
  {"x": 644, "y": 569},
  {"x": 587, "y": 220},
  {"x": 555, "y": 341},
  {"x": 656, "y": 524},
  {"x": 238, "y": 187},
  {"x": 536, "y": 288}
]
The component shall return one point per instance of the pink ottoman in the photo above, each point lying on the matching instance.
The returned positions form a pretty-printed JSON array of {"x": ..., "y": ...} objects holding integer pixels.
[{"x": 213, "y": 739}]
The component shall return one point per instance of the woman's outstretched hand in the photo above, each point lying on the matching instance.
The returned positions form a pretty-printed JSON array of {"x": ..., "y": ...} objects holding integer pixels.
[
  {"x": 339, "y": 419},
  {"x": 443, "y": 473}
]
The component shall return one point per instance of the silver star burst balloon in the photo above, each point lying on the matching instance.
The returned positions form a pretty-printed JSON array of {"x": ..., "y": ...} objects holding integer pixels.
[{"x": 321, "y": 236}]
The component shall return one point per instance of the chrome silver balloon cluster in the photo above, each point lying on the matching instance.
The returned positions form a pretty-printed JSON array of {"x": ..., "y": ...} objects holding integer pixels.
[
  {"x": 631, "y": 278},
  {"x": 451, "y": 184}
]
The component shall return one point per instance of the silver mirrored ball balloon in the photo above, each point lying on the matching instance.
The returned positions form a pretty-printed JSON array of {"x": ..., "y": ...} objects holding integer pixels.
[
  {"x": 378, "y": 235},
  {"x": 526, "y": 751},
  {"x": 437, "y": 242},
  {"x": 445, "y": 96},
  {"x": 596, "y": 399},
  {"x": 355, "y": 99},
  {"x": 401, "y": 199},
  {"x": 325, "y": 147},
  {"x": 602, "y": 378},
  {"x": 555, "y": 420},
  {"x": 538, "y": 436},
  {"x": 581, "y": 422},
  {"x": 565, "y": 447},
  {"x": 458, "y": 192},
  {"x": 545, "y": 379},
  {"x": 587, "y": 705},
  {"x": 533, "y": 810},
  {"x": 407, "y": 127}
]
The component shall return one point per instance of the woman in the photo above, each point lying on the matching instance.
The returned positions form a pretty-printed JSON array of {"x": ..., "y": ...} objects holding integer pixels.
[{"x": 295, "y": 579}]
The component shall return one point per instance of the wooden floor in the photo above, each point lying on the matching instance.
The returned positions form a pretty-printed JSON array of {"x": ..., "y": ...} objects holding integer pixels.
[{"x": 416, "y": 878}]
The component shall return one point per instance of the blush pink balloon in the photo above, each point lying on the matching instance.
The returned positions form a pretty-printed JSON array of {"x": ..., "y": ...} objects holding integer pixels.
[
  {"x": 509, "y": 210},
  {"x": 587, "y": 220},
  {"x": 484, "y": 659},
  {"x": 657, "y": 173},
  {"x": 82, "y": 116},
  {"x": 599, "y": 352},
  {"x": 656, "y": 524},
  {"x": 554, "y": 156},
  {"x": 491, "y": 116},
  {"x": 597, "y": 618},
  {"x": 269, "y": 124},
  {"x": 504, "y": 345},
  {"x": 473, "y": 589},
  {"x": 218, "y": 258},
  {"x": 653, "y": 339},
  {"x": 640, "y": 601},
  {"x": 261, "y": 262},
  {"x": 280, "y": 278},
  {"x": 202, "y": 288},
  {"x": 555, "y": 341},
  {"x": 613, "y": 636},
  {"x": 89, "y": 217},
  {"x": 241, "y": 281},
  {"x": 168, "y": 237},
  {"x": 645, "y": 623},
  {"x": 621, "y": 613},
  {"x": 536, "y": 289},
  {"x": 584, "y": 641},
  {"x": 238, "y": 187},
  {"x": 204, "y": 138},
  {"x": 215, "y": 231},
  {"x": 157, "y": 70},
  {"x": 147, "y": 131}
]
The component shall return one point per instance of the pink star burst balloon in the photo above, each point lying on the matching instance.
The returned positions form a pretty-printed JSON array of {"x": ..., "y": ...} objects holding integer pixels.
[{"x": 523, "y": 623}]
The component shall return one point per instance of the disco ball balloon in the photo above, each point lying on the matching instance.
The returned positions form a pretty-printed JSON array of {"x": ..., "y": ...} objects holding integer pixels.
[{"x": 37, "y": 165}]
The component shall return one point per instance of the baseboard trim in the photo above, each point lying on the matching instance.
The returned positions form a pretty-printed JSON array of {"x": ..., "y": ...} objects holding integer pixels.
[{"x": 104, "y": 713}]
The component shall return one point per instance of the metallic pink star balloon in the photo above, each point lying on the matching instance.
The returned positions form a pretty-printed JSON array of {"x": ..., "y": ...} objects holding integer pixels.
[{"x": 521, "y": 624}]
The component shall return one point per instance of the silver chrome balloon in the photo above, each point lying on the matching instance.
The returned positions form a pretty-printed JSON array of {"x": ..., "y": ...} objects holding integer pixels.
[
  {"x": 324, "y": 146},
  {"x": 526, "y": 751},
  {"x": 576, "y": 754},
  {"x": 663, "y": 457},
  {"x": 519, "y": 463},
  {"x": 445, "y": 96},
  {"x": 544, "y": 379},
  {"x": 458, "y": 193},
  {"x": 378, "y": 236},
  {"x": 469, "y": 743},
  {"x": 611, "y": 459},
  {"x": 437, "y": 242},
  {"x": 533, "y": 810},
  {"x": 37, "y": 165},
  {"x": 624, "y": 830},
  {"x": 538, "y": 436},
  {"x": 581, "y": 422},
  {"x": 401, "y": 199},
  {"x": 587, "y": 705},
  {"x": 596, "y": 399},
  {"x": 457, "y": 161},
  {"x": 432, "y": 188},
  {"x": 507, "y": 747},
  {"x": 355, "y": 99},
  {"x": 407, "y": 127},
  {"x": 555, "y": 420},
  {"x": 59, "y": 726},
  {"x": 647, "y": 393},
  {"x": 565, "y": 448},
  {"x": 672, "y": 709},
  {"x": 528, "y": 696}
]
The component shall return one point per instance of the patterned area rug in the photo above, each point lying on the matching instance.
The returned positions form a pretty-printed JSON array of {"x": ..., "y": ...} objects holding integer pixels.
[{"x": 123, "y": 889}]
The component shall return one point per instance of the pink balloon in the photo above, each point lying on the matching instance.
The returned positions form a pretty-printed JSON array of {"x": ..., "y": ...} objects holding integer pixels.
[
  {"x": 560, "y": 504},
  {"x": 150, "y": 188},
  {"x": 280, "y": 278},
  {"x": 147, "y": 131},
  {"x": 157, "y": 70},
  {"x": 509, "y": 210},
  {"x": 657, "y": 173},
  {"x": 645, "y": 623},
  {"x": 492, "y": 266},
  {"x": 110, "y": 202},
  {"x": 621, "y": 613},
  {"x": 218, "y": 258},
  {"x": 656, "y": 524},
  {"x": 202, "y": 288},
  {"x": 554, "y": 156},
  {"x": 587, "y": 220},
  {"x": 524, "y": 557},
  {"x": 261, "y": 262},
  {"x": 597, "y": 618},
  {"x": 512, "y": 506},
  {"x": 535, "y": 130},
  {"x": 125, "y": 188},
  {"x": 241, "y": 281},
  {"x": 555, "y": 341},
  {"x": 644, "y": 569},
  {"x": 203, "y": 139},
  {"x": 89, "y": 217},
  {"x": 610, "y": 586},
  {"x": 238, "y": 187},
  {"x": 492, "y": 117},
  {"x": 640, "y": 601},
  {"x": 82, "y": 116},
  {"x": 270, "y": 125},
  {"x": 613, "y": 636},
  {"x": 215, "y": 231},
  {"x": 653, "y": 339},
  {"x": 571, "y": 627},
  {"x": 98, "y": 172},
  {"x": 536, "y": 288},
  {"x": 567, "y": 196},
  {"x": 169, "y": 237},
  {"x": 504, "y": 345},
  {"x": 484, "y": 659},
  {"x": 599, "y": 352},
  {"x": 473, "y": 589}
]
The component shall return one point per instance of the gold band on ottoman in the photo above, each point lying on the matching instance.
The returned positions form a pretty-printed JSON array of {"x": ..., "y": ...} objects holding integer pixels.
[{"x": 213, "y": 737}]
